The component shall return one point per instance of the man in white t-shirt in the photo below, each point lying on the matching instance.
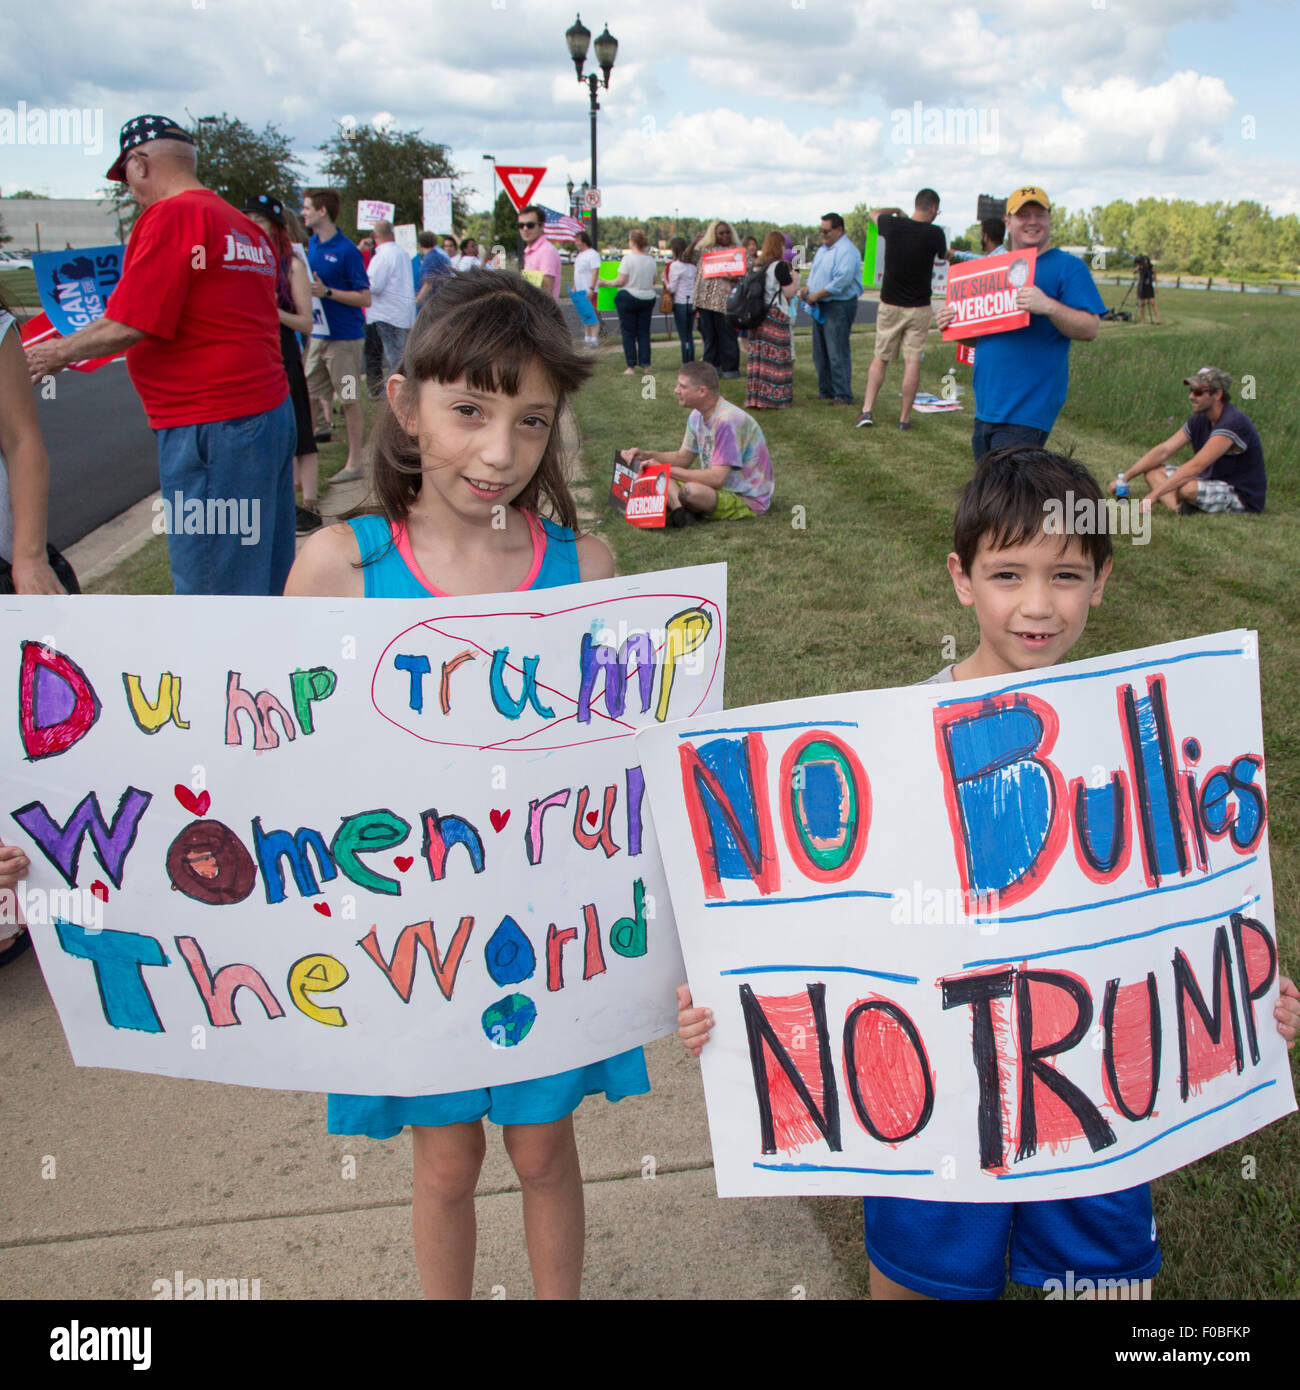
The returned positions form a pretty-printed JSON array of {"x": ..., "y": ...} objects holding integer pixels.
[{"x": 392, "y": 295}]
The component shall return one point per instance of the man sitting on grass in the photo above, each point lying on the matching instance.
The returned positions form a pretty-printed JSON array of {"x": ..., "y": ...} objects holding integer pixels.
[
  {"x": 1226, "y": 470},
  {"x": 733, "y": 478}
]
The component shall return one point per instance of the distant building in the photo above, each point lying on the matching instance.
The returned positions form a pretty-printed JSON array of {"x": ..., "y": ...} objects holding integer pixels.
[{"x": 49, "y": 224}]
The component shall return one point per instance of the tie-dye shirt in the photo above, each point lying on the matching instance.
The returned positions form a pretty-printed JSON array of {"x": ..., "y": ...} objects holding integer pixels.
[{"x": 731, "y": 437}]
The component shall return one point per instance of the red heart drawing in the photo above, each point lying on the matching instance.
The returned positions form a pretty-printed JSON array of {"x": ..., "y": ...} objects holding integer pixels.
[
  {"x": 195, "y": 805},
  {"x": 322, "y": 908},
  {"x": 498, "y": 819},
  {"x": 403, "y": 861},
  {"x": 592, "y": 817},
  {"x": 100, "y": 890}
]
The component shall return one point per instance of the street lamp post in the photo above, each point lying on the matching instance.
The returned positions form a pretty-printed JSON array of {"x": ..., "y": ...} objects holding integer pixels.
[{"x": 578, "y": 38}]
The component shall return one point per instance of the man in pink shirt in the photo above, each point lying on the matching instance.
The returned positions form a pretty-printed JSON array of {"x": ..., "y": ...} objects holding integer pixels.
[{"x": 539, "y": 253}]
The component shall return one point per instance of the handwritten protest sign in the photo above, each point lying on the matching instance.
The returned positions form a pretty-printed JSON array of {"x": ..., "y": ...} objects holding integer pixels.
[
  {"x": 388, "y": 848},
  {"x": 436, "y": 206},
  {"x": 983, "y": 294},
  {"x": 989, "y": 941},
  {"x": 372, "y": 210}
]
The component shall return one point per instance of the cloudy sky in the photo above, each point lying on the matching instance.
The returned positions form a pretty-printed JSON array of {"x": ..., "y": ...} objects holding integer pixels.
[{"x": 779, "y": 109}]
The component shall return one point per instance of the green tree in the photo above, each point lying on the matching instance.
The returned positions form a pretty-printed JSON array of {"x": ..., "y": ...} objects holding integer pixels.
[
  {"x": 1113, "y": 224},
  {"x": 238, "y": 162},
  {"x": 23, "y": 193},
  {"x": 856, "y": 224},
  {"x": 503, "y": 225},
  {"x": 390, "y": 165},
  {"x": 4, "y": 236}
]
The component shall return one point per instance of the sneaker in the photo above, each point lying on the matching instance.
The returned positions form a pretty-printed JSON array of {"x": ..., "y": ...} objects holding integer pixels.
[
  {"x": 680, "y": 516},
  {"x": 308, "y": 520},
  {"x": 322, "y": 436},
  {"x": 904, "y": 424},
  {"x": 863, "y": 419},
  {"x": 348, "y": 475}
]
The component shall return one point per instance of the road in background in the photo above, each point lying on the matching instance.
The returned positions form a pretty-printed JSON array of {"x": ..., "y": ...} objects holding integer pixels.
[{"x": 103, "y": 455}]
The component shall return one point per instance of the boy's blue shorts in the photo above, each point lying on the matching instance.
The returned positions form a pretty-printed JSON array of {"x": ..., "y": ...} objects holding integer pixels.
[{"x": 959, "y": 1249}]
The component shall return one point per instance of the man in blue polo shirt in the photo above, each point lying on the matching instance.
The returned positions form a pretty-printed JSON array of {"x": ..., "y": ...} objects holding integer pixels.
[
  {"x": 832, "y": 293},
  {"x": 1226, "y": 470},
  {"x": 335, "y": 366},
  {"x": 1022, "y": 376}
]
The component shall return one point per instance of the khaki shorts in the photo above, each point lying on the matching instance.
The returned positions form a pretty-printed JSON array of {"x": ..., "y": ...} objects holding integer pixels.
[
  {"x": 335, "y": 366},
  {"x": 895, "y": 325}
]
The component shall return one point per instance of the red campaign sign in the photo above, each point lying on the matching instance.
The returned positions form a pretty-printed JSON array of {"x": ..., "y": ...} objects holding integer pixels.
[
  {"x": 516, "y": 176},
  {"x": 720, "y": 263},
  {"x": 647, "y": 499},
  {"x": 983, "y": 293},
  {"x": 38, "y": 328}
]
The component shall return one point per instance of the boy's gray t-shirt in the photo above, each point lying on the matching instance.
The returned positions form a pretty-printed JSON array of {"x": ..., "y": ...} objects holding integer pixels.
[{"x": 942, "y": 678}]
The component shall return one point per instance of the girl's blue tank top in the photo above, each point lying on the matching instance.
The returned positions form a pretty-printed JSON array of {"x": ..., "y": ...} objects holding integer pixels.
[{"x": 388, "y": 562}]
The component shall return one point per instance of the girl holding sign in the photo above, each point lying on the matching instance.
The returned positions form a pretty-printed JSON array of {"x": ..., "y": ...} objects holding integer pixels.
[{"x": 471, "y": 442}]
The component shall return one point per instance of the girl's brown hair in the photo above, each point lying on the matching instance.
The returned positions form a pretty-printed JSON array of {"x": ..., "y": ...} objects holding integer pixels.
[
  {"x": 637, "y": 238},
  {"x": 484, "y": 326}
]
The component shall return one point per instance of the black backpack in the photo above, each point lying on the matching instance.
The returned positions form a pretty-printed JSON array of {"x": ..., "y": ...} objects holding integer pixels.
[{"x": 747, "y": 302}]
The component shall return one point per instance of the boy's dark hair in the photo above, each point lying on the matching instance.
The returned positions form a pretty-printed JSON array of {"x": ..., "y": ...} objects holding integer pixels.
[
  {"x": 927, "y": 200},
  {"x": 426, "y": 240},
  {"x": 995, "y": 229},
  {"x": 485, "y": 326},
  {"x": 324, "y": 200},
  {"x": 1005, "y": 503},
  {"x": 836, "y": 221},
  {"x": 537, "y": 212}
]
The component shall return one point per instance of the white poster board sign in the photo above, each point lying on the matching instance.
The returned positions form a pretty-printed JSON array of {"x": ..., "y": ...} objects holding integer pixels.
[
  {"x": 997, "y": 940},
  {"x": 437, "y": 206},
  {"x": 394, "y": 847},
  {"x": 404, "y": 235},
  {"x": 372, "y": 210}
]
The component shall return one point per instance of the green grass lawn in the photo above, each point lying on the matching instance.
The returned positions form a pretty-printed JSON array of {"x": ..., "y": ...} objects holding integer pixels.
[{"x": 842, "y": 586}]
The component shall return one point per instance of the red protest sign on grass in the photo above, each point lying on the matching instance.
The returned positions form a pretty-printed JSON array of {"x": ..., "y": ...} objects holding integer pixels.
[
  {"x": 983, "y": 294},
  {"x": 647, "y": 501}
]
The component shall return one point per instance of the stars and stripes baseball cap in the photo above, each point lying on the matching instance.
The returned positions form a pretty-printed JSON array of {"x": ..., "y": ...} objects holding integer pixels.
[{"x": 140, "y": 131}]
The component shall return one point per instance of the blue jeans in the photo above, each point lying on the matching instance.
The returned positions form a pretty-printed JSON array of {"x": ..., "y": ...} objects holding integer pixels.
[
  {"x": 684, "y": 317},
  {"x": 227, "y": 503},
  {"x": 988, "y": 437},
  {"x": 634, "y": 316},
  {"x": 394, "y": 343},
  {"x": 830, "y": 347}
]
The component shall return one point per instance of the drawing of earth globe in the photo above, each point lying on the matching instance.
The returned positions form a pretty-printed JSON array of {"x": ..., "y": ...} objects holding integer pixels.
[
  {"x": 1018, "y": 273},
  {"x": 508, "y": 1021}
]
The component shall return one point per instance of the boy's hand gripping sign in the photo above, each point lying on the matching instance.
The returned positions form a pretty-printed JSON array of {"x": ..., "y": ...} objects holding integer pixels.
[
  {"x": 996, "y": 940},
  {"x": 393, "y": 847},
  {"x": 983, "y": 294}
]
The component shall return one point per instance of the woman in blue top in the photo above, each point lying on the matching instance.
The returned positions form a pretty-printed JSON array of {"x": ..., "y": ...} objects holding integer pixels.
[{"x": 464, "y": 460}]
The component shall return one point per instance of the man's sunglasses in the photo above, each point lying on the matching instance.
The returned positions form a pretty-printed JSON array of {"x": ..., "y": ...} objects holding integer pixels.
[
  {"x": 525, "y": 226},
  {"x": 1199, "y": 391}
]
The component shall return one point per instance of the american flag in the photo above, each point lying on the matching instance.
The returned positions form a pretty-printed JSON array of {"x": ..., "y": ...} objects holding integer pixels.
[{"x": 558, "y": 226}]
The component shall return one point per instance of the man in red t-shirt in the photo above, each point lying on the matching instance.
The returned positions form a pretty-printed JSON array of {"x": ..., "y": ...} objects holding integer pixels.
[{"x": 195, "y": 313}]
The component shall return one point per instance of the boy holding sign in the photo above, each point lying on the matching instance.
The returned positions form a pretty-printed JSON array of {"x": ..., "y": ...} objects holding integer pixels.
[{"x": 1031, "y": 595}]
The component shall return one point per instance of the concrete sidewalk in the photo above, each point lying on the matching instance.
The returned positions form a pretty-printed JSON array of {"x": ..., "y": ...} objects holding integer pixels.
[{"x": 114, "y": 1180}]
